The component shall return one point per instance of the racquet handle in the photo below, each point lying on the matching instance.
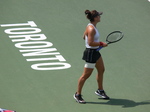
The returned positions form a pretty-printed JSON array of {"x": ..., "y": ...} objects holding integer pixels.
[{"x": 99, "y": 48}]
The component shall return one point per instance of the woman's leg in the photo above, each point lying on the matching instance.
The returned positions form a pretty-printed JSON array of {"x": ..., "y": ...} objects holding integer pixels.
[
  {"x": 100, "y": 69},
  {"x": 86, "y": 74}
]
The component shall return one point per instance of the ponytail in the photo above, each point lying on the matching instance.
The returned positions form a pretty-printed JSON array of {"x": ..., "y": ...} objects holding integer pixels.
[{"x": 91, "y": 14}]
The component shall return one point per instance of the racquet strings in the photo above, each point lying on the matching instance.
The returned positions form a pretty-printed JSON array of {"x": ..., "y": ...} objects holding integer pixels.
[{"x": 114, "y": 37}]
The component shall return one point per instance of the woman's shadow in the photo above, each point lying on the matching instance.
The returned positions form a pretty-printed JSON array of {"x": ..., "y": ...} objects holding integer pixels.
[{"x": 125, "y": 103}]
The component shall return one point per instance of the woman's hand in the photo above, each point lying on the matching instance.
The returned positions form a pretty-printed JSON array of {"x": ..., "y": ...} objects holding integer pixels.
[{"x": 103, "y": 44}]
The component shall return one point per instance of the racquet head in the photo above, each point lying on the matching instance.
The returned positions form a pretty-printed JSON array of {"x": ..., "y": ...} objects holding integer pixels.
[{"x": 114, "y": 37}]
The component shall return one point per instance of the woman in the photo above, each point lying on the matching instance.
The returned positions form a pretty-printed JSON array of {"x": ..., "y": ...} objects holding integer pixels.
[{"x": 92, "y": 57}]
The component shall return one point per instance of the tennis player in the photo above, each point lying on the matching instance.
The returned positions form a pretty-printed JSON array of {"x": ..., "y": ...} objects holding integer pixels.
[{"x": 93, "y": 58}]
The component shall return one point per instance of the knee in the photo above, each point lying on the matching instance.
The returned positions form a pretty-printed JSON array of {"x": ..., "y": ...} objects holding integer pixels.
[
  {"x": 101, "y": 71},
  {"x": 84, "y": 77}
]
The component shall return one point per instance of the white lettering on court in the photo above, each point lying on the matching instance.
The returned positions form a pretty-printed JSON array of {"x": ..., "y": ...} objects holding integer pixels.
[{"x": 34, "y": 47}]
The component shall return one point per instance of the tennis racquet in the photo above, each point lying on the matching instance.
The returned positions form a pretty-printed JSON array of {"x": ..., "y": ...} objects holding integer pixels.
[{"x": 113, "y": 37}]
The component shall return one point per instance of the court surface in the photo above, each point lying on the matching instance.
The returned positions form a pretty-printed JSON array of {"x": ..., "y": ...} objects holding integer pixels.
[{"x": 36, "y": 81}]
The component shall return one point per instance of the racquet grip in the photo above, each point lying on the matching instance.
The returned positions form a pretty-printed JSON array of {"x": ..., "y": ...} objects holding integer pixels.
[{"x": 99, "y": 48}]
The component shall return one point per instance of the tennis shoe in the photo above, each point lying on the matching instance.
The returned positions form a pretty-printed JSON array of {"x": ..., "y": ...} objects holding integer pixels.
[
  {"x": 102, "y": 94},
  {"x": 78, "y": 98}
]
